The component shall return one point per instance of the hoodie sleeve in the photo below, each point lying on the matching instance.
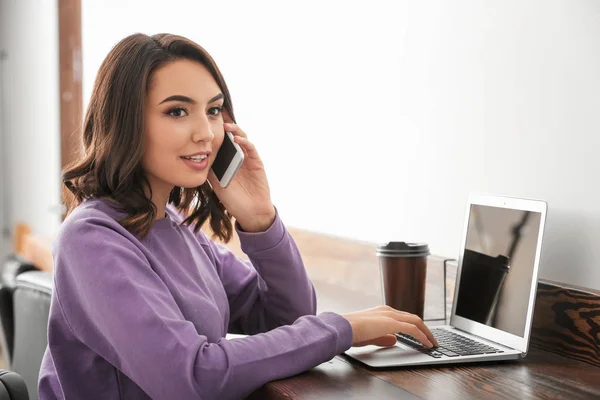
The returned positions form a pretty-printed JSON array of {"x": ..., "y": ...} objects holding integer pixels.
[
  {"x": 270, "y": 290},
  {"x": 116, "y": 305}
]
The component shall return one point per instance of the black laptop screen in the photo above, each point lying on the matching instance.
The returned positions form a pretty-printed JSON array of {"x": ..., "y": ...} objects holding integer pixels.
[{"x": 497, "y": 267}]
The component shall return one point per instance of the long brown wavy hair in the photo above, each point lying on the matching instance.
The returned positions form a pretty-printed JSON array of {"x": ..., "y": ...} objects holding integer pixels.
[{"x": 114, "y": 140}]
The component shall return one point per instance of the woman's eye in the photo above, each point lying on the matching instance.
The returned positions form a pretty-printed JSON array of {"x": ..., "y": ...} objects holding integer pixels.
[
  {"x": 214, "y": 111},
  {"x": 177, "y": 112}
]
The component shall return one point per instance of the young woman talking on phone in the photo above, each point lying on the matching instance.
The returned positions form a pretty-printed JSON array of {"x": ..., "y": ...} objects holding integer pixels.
[{"x": 143, "y": 299}]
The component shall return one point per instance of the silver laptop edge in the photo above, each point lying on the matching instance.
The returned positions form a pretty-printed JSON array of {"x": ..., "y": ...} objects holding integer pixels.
[{"x": 513, "y": 346}]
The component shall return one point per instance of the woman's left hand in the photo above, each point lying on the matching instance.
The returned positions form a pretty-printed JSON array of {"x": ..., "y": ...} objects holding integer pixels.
[{"x": 247, "y": 197}]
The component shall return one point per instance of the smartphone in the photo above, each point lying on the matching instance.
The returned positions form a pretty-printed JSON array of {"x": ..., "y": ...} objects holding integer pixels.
[{"x": 228, "y": 160}]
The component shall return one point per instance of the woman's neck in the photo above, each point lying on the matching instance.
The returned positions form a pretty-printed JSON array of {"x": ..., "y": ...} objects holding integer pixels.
[
  {"x": 161, "y": 212},
  {"x": 160, "y": 200}
]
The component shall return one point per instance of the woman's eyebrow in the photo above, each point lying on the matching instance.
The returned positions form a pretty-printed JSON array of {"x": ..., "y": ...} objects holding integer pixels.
[
  {"x": 217, "y": 97},
  {"x": 178, "y": 97},
  {"x": 189, "y": 100}
]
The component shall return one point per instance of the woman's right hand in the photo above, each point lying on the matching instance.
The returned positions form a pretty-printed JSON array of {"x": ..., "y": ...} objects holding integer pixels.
[{"x": 377, "y": 326}]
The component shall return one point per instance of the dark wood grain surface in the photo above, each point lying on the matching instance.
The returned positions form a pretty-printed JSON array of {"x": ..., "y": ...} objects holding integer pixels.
[
  {"x": 346, "y": 277},
  {"x": 567, "y": 321},
  {"x": 541, "y": 375},
  {"x": 335, "y": 379}
]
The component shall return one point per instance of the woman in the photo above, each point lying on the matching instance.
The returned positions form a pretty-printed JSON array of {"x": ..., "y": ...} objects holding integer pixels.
[{"x": 143, "y": 299}]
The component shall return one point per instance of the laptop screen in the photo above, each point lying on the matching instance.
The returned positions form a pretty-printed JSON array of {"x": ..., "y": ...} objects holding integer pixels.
[{"x": 497, "y": 267}]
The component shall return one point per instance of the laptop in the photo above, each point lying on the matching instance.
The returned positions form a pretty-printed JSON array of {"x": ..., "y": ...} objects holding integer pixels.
[{"x": 495, "y": 290}]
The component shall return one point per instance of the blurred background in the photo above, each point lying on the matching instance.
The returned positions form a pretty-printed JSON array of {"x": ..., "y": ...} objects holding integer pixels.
[{"x": 375, "y": 119}]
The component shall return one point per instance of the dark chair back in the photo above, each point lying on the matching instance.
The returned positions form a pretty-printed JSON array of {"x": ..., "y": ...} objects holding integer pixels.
[
  {"x": 32, "y": 296},
  {"x": 12, "y": 266},
  {"x": 12, "y": 386}
]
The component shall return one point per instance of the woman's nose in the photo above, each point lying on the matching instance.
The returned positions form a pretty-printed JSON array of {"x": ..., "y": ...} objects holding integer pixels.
[{"x": 203, "y": 133}]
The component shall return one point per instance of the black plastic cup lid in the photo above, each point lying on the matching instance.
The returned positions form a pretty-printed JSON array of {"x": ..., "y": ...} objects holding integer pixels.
[{"x": 403, "y": 249}]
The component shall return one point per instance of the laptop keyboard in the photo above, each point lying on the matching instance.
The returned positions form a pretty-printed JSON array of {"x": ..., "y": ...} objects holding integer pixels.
[{"x": 450, "y": 345}]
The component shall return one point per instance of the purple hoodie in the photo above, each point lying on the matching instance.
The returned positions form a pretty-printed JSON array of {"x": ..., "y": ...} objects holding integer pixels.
[{"x": 139, "y": 319}]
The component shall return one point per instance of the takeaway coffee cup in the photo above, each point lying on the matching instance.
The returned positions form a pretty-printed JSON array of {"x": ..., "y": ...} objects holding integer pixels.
[{"x": 403, "y": 269}]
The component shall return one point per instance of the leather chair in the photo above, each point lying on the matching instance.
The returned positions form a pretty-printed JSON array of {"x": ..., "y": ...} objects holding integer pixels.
[
  {"x": 12, "y": 386},
  {"x": 31, "y": 297},
  {"x": 25, "y": 294},
  {"x": 13, "y": 266}
]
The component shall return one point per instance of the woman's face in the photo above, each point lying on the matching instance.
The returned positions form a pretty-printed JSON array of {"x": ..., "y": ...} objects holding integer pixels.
[{"x": 184, "y": 127}]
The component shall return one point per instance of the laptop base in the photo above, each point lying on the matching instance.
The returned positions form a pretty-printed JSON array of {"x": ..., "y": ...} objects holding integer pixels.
[{"x": 404, "y": 355}]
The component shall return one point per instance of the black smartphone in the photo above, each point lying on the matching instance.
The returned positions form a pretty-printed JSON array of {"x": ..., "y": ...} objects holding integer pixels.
[{"x": 228, "y": 160}]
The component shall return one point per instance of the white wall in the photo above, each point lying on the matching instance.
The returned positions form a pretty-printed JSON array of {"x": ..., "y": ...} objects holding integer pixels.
[
  {"x": 376, "y": 119},
  {"x": 30, "y": 126}
]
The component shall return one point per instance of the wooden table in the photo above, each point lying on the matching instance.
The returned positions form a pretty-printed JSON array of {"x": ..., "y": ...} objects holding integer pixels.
[{"x": 541, "y": 375}]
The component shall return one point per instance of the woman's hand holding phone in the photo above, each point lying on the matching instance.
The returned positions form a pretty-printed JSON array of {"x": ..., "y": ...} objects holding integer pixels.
[{"x": 248, "y": 196}]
